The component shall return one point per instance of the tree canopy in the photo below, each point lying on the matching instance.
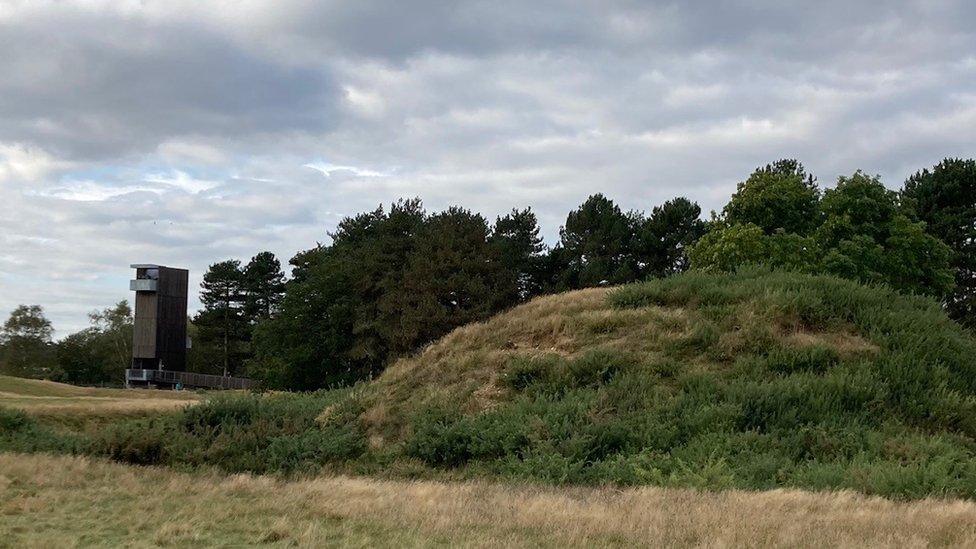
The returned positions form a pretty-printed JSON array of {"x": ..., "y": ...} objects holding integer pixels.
[
  {"x": 101, "y": 353},
  {"x": 944, "y": 198},
  {"x": 25, "y": 342},
  {"x": 235, "y": 298},
  {"x": 861, "y": 232},
  {"x": 393, "y": 279},
  {"x": 779, "y": 197},
  {"x": 597, "y": 243}
]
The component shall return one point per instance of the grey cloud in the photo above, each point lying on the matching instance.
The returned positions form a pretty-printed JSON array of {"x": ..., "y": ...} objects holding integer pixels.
[
  {"x": 92, "y": 87},
  {"x": 182, "y": 131}
]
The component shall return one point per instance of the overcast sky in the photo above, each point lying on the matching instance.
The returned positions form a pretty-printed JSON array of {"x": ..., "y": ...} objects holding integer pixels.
[{"x": 186, "y": 132}]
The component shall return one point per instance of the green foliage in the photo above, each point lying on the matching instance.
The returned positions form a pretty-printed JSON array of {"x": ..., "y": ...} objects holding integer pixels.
[
  {"x": 520, "y": 251},
  {"x": 235, "y": 299},
  {"x": 25, "y": 344},
  {"x": 665, "y": 236},
  {"x": 222, "y": 324},
  {"x": 393, "y": 281},
  {"x": 389, "y": 283},
  {"x": 453, "y": 277},
  {"x": 82, "y": 360},
  {"x": 768, "y": 379},
  {"x": 553, "y": 373},
  {"x": 263, "y": 284},
  {"x": 780, "y": 197},
  {"x": 240, "y": 433},
  {"x": 602, "y": 245},
  {"x": 139, "y": 442},
  {"x": 597, "y": 243},
  {"x": 101, "y": 353},
  {"x": 858, "y": 231},
  {"x": 22, "y": 433},
  {"x": 727, "y": 248},
  {"x": 886, "y": 417},
  {"x": 944, "y": 198},
  {"x": 865, "y": 237}
]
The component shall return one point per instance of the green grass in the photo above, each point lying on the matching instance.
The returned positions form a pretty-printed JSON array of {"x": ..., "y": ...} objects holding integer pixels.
[{"x": 752, "y": 380}]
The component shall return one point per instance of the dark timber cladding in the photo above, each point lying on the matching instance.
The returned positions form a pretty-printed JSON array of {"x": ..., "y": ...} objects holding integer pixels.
[{"x": 159, "y": 334}]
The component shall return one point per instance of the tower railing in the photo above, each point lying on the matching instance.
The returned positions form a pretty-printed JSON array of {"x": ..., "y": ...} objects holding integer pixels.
[{"x": 188, "y": 379}]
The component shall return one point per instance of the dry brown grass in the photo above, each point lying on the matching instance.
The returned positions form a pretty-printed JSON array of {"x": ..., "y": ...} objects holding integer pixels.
[
  {"x": 91, "y": 405},
  {"x": 43, "y": 388},
  {"x": 466, "y": 366},
  {"x": 65, "y": 502}
]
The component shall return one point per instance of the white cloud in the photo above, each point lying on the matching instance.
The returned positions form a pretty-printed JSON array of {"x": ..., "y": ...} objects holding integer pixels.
[
  {"x": 180, "y": 180},
  {"x": 329, "y": 170},
  {"x": 22, "y": 162},
  {"x": 185, "y": 132},
  {"x": 91, "y": 191}
]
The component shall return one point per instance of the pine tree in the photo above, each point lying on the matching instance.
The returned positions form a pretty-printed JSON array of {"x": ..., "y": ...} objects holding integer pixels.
[
  {"x": 454, "y": 276},
  {"x": 222, "y": 320},
  {"x": 520, "y": 249},
  {"x": 664, "y": 238},
  {"x": 263, "y": 285},
  {"x": 597, "y": 243}
]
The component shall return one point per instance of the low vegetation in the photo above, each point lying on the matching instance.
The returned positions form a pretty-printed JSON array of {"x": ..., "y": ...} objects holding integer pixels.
[
  {"x": 751, "y": 380},
  {"x": 64, "y": 501},
  {"x": 754, "y": 380}
]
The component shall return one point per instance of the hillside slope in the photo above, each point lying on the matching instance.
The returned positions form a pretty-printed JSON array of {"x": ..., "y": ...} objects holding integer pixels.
[{"x": 757, "y": 379}]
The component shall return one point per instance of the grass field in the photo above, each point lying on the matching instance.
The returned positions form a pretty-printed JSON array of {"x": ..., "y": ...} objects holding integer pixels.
[
  {"x": 67, "y": 404},
  {"x": 67, "y": 501}
]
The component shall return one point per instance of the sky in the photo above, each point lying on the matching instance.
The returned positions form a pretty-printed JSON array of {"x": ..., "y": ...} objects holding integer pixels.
[{"x": 183, "y": 132}]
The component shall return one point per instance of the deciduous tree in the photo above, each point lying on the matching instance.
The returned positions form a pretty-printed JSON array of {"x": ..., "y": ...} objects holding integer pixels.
[
  {"x": 944, "y": 197},
  {"x": 25, "y": 340},
  {"x": 780, "y": 197}
]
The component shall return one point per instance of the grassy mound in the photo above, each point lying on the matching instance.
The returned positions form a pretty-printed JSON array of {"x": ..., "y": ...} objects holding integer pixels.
[{"x": 750, "y": 380}]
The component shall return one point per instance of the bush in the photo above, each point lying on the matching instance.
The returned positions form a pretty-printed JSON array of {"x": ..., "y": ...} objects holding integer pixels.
[
  {"x": 22, "y": 433},
  {"x": 241, "y": 433},
  {"x": 139, "y": 442},
  {"x": 313, "y": 448},
  {"x": 14, "y": 421},
  {"x": 441, "y": 437}
]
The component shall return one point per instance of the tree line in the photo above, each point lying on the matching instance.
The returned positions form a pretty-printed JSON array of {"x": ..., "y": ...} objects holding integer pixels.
[
  {"x": 394, "y": 279},
  {"x": 95, "y": 355}
]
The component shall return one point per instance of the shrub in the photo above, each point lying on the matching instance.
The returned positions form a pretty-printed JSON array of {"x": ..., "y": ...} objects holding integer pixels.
[
  {"x": 440, "y": 437},
  {"x": 139, "y": 442},
  {"x": 22, "y": 433},
  {"x": 816, "y": 359}
]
